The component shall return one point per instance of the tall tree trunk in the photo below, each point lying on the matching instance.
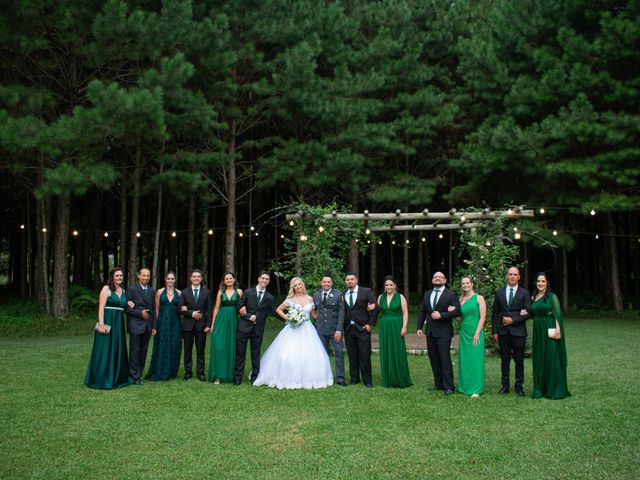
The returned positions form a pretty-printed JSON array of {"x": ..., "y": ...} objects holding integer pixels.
[
  {"x": 354, "y": 264},
  {"x": 156, "y": 239},
  {"x": 230, "y": 239},
  {"x": 98, "y": 277},
  {"x": 191, "y": 233},
  {"x": 405, "y": 267},
  {"x": 614, "y": 275},
  {"x": 30, "y": 249},
  {"x": 565, "y": 280},
  {"x": 525, "y": 268},
  {"x": 24, "y": 257},
  {"x": 203, "y": 258},
  {"x": 122, "y": 256},
  {"x": 135, "y": 215},
  {"x": 421, "y": 268},
  {"x": 373, "y": 266},
  {"x": 42, "y": 271},
  {"x": 61, "y": 257}
]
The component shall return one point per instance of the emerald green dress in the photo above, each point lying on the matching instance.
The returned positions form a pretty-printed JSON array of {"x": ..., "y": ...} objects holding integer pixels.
[
  {"x": 223, "y": 340},
  {"x": 394, "y": 368},
  {"x": 108, "y": 364},
  {"x": 167, "y": 344},
  {"x": 549, "y": 355},
  {"x": 470, "y": 357}
]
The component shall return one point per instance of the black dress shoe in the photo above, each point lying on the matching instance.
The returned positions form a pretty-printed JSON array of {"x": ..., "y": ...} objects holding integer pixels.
[
  {"x": 202, "y": 378},
  {"x": 520, "y": 392},
  {"x": 353, "y": 383},
  {"x": 187, "y": 376},
  {"x": 368, "y": 385},
  {"x": 237, "y": 383},
  {"x": 137, "y": 382},
  {"x": 448, "y": 392},
  {"x": 341, "y": 383},
  {"x": 503, "y": 391}
]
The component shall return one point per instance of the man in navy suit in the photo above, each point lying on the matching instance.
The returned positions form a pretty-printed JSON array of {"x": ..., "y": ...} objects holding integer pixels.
[
  {"x": 360, "y": 314},
  {"x": 511, "y": 310},
  {"x": 254, "y": 307},
  {"x": 195, "y": 307},
  {"x": 434, "y": 310},
  {"x": 141, "y": 322}
]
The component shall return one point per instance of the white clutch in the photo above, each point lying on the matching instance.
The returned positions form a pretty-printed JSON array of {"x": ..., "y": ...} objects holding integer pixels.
[
  {"x": 551, "y": 332},
  {"x": 107, "y": 328}
]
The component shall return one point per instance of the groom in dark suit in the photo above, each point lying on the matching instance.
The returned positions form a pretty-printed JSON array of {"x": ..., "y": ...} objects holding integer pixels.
[
  {"x": 254, "y": 307},
  {"x": 329, "y": 315},
  {"x": 195, "y": 307},
  {"x": 511, "y": 310},
  {"x": 360, "y": 314},
  {"x": 434, "y": 310},
  {"x": 141, "y": 322}
]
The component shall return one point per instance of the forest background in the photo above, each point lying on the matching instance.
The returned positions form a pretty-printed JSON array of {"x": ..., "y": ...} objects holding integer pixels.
[{"x": 177, "y": 134}]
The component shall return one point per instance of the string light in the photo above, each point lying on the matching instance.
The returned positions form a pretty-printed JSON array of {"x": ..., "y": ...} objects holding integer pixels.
[
  {"x": 379, "y": 242},
  {"x": 393, "y": 242},
  {"x": 174, "y": 234},
  {"x": 256, "y": 234},
  {"x": 75, "y": 233},
  {"x": 357, "y": 241},
  {"x": 593, "y": 212},
  {"x": 462, "y": 218},
  {"x": 321, "y": 229},
  {"x": 106, "y": 234},
  {"x": 291, "y": 223},
  {"x": 303, "y": 237},
  {"x": 597, "y": 236},
  {"x": 241, "y": 234},
  {"x": 211, "y": 231},
  {"x": 44, "y": 229},
  {"x": 517, "y": 236},
  {"x": 407, "y": 241},
  {"x": 424, "y": 239},
  {"x": 555, "y": 233},
  {"x": 542, "y": 211},
  {"x": 281, "y": 236},
  {"x": 440, "y": 236},
  {"x": 138, "y": 234},
  {"x": 22, "y": 227},
  {"x": 367, "y": 231}
]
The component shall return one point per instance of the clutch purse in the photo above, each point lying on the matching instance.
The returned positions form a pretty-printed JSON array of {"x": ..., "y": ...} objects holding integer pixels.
[
  {"x": 551, "y": 332},
  {"x": 107, "y": 328}
]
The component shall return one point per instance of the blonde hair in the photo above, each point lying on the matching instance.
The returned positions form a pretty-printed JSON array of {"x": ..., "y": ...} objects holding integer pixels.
[{"x": 291, "y": 292}]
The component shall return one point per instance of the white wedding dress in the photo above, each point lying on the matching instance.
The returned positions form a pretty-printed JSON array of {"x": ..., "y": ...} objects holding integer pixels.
[{"x": 296, "y": 358}]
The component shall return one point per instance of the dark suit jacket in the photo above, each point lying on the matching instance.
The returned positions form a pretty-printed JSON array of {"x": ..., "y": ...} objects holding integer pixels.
[
  {"x": 442, "y": 327},
  {"x": 135, "y": 322},
  {"x": 521, "y": 300},
  {"x": 359, "y": 313},
  {"x": 330, "y": 313},
  {"x": 249, "y": 299},
  {"x": 204, "y": 306}
]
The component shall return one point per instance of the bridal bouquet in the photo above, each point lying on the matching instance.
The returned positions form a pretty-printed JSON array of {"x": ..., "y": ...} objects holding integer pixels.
[{"x": 295, "y": 316}]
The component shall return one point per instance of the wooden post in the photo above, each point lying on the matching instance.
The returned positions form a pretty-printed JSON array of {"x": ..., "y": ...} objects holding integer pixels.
[{"x": 405, "y": 266}]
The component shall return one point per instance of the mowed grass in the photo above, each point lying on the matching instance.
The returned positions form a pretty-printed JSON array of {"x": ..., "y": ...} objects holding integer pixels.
[{"x": 52, "y": 426}]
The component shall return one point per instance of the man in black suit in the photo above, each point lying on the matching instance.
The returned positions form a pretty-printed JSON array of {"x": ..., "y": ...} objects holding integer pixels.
[
  {"x": 511, "y": 310},
  {"x": 360, "y": 314},
  {"x": 435, "y": 311},
  {"x": 254, "y": 307},
  {"x": 195, "y": 307},
  {"x": 141, "y": 322},
  {"x": 329, "y": 315}
]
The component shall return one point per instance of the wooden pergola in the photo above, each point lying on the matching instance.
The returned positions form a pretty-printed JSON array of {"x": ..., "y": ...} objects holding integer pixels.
[{"x": 411, "y": 222}]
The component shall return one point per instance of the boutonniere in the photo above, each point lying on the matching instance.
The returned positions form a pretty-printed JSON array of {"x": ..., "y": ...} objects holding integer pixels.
[{"x": 331, "y": 295}]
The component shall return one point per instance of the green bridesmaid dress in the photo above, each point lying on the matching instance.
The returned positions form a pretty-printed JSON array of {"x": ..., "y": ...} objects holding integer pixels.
[
  {"x": 223, "y": 340},
  {"x": 167, "y": 344},
  {"x": 108, "y": 364},
  {"x": 470, "y": 356},
  {"x": 549, "y": 355},
  {"x": 394, "y": 367}
]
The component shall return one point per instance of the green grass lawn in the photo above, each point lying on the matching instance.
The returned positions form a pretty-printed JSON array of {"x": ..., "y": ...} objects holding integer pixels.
[{"x": 52, "y": 426}]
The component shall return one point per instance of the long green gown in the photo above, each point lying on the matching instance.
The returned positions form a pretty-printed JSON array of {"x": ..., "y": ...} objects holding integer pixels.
[
  {"x": 394, "y": 368},
  {"x": 108, "y": 364},
  {"x": 470, "y": 357},
  {"x": 223, "y": 340},
  {"x": 549, "y": 355},
  {"x": 167, "y": 344}
]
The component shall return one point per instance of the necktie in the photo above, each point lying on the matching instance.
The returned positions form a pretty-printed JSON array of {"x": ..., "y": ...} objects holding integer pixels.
[
  {"x": 324, "y": 297},
  {"x": 196, "y": 295},
  {"x": 146, "y": 291},
  {"x": 510, "y": 296},
  {"x": 351, "y": 298},
  {"x": 435, "y": 299},
  {"x": 260, "y": 296}
]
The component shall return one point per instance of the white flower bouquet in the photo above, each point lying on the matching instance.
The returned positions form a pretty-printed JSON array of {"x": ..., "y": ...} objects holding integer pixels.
[{"x": 295, "y": 316}]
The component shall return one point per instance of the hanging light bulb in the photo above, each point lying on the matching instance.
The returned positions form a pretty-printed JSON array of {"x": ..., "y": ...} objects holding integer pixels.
[
  {"x": 211, "y": 231},
  {"x": 440, "y": 236},
  {"x": 106, "y": 234},
  {"x": 291, "y": 223},
  {"x": 555, "y": 233},
  {"x": 252, "y": 228},
  {"x": 281, "y": 236},
  {"x": 424, "y": 239},
  {"x": 517, "y": 236},
  {"x": 542, "y": 211},
  {"x": 241, "y": 234},
  {"x": 75, "y": 233},
  {"x": 593, "y": 212},
  {"x": 173, "y": 234},
  {"x": 22, "y": 227},
  {"x": 367, "y": 231},
  {"x": 138, "y": 234},
  {"x": 321, "y": 229}
]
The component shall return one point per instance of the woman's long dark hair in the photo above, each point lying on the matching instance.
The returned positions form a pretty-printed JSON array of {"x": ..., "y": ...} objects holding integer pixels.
[
  {"x": 235, "y": 281},
  {"x": 110, "y": 282},
  {"x": 546, "y": 294}
]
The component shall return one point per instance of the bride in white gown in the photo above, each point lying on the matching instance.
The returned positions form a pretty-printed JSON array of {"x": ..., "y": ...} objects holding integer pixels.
[{"x": 296, "y": 358}]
